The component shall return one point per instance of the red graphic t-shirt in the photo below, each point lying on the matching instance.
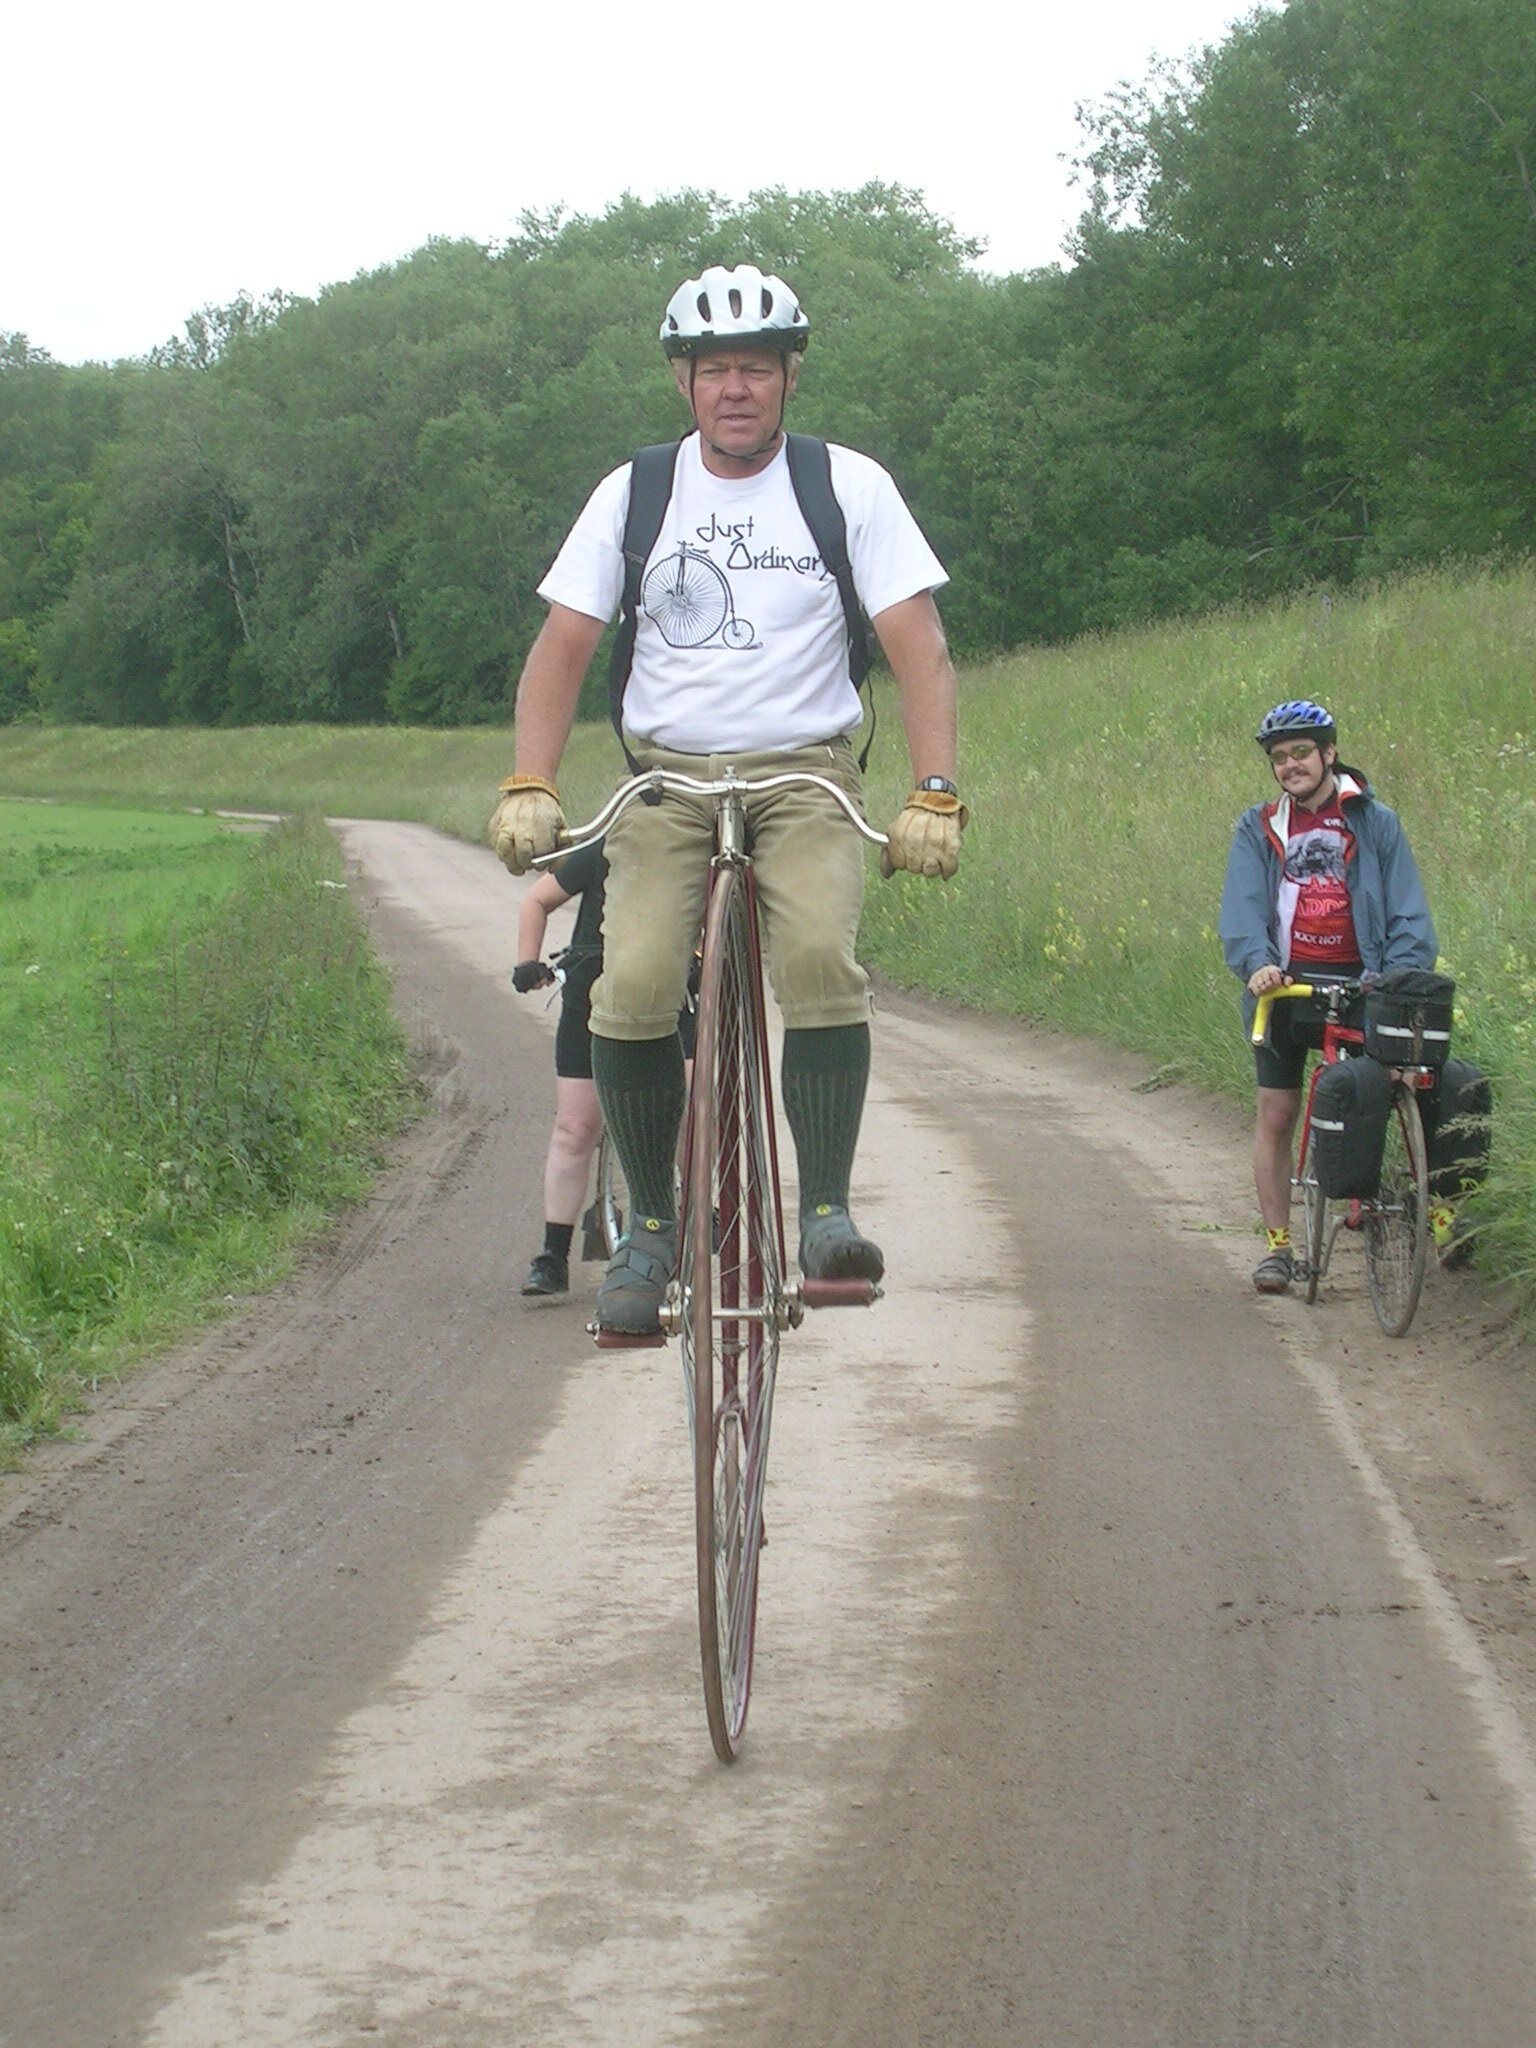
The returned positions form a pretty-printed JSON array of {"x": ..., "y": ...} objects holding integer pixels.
[{"x": 1317, "y": 846}]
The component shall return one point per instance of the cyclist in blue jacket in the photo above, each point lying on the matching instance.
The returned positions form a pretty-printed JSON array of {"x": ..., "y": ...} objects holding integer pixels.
[{"x": 1320, "y": 882}]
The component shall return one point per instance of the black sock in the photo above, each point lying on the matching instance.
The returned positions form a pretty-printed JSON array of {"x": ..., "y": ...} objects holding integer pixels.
[
  {"x": 825, "y": 1074},
  {"x": 557, "y": 1239},
  {"x": 640, "y": 1088}
]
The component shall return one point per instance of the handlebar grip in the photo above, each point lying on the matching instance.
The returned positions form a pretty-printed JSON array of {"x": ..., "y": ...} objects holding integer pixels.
[{"x": 1266, "y": 1003}]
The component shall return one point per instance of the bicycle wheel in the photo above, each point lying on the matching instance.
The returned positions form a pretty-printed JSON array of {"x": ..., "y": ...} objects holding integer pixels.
[
  {"x": 1314, "y": 1206},
  {"x": 1397, "y": 1222},
  {"x": 731, "y": 1267},
  {"x": 612, "y": 1193},
  {"x": 688, "y": 597}
]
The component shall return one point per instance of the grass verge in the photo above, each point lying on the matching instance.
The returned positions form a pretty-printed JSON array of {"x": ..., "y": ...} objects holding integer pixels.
[{"x": 200, "y": 1066}]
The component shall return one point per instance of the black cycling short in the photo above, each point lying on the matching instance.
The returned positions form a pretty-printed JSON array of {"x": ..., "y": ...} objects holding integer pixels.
[
  {"x": 1295, "y": 1029},
  {"x": 573, "y": 1034}
]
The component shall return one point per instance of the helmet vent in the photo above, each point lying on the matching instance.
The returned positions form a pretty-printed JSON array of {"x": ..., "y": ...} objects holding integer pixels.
[
  {"x": 704, "y": 312},
  {"x": 735, "y": 298},
  {"x": 767, "y": 304}
]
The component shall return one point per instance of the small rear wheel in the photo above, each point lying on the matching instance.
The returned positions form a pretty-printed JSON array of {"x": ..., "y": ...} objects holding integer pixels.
[
  {"x": 1397, "y": 1222},
  {"x": 612, "y": 1193},
  {"x": 730, "y": 1261}
]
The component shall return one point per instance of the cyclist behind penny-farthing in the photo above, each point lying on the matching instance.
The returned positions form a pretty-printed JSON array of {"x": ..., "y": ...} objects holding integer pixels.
[
  {"x": 768, "y": 686},
  {"x": 578, "y": 1127},
  {"x": 1321, "y": 885}
]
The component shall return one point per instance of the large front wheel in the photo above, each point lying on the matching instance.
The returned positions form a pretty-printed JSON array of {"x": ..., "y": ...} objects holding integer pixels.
[
  {"x": 731, "y": 1268},
  {"x": 1397, "y": 1222}
]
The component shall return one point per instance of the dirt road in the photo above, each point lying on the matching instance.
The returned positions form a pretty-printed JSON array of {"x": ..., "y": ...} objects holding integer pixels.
[{"x": 1141, "y": 1662}]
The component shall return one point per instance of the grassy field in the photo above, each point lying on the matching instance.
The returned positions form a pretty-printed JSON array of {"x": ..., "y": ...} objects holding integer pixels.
[
  {"x": 446, "y": 779},
  {"x": 1104, "y": 779},
  {"x": 198, "y": 1066}
]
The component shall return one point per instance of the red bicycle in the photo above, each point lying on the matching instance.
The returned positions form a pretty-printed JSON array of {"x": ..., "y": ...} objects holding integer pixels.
[
  {"x": 732, "y": 1297},
  {"x": 1396, "y": 1220}
]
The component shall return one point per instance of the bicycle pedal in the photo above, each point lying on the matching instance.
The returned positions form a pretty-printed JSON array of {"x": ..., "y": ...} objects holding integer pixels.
[
  {"x": 625, "y": 1340},
  {"x": 840, "y": 1293}
]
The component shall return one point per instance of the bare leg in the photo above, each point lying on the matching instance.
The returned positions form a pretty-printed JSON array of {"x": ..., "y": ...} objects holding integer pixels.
[
  {"x": 1276, "y": 1126},
  {"x": 568, "y": 1166}
]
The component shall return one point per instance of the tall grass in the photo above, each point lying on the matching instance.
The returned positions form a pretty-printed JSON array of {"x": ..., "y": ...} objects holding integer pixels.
[{"x": 201, "y": 1064}]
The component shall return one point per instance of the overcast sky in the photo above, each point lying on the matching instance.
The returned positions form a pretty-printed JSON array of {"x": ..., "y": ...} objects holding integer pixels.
[{"x": 160, "y": 160}]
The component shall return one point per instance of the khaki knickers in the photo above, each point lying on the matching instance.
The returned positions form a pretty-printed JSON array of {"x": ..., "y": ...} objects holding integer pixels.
[{"x": 809, "y": 865}]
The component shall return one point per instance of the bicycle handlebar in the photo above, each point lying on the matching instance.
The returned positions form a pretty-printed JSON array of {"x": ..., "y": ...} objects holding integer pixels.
[
  {"x": 1345, "y": 991},
  {"x": 729, "y": 784}
]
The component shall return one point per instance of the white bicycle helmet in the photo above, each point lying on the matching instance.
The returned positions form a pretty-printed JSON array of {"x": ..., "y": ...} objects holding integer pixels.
[{"x": 740, "y": 308}]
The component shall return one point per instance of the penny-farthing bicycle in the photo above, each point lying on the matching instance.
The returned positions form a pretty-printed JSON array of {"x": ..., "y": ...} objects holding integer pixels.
[
  {"x": 689, "y": 597},
  {"x": 732, "y": 1297}
]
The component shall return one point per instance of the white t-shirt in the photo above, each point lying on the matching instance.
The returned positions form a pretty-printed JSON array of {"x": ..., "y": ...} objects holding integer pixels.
[{"x": 741, "y": 641}]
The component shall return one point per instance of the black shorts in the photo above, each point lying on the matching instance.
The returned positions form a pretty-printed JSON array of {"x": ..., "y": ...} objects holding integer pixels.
[
  {"x": 1295, "y": 1029},
  {"x": 573, "y": 1034}
]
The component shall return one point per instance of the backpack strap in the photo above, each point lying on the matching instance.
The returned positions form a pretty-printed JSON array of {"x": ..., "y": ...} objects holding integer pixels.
[
  {"x": 650, "y": 493},
  {"x": 810, "y": 471}
]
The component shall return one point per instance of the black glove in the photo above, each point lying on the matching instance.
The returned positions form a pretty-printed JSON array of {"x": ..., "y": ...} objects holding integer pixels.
[{"x": 531, "y": 974}]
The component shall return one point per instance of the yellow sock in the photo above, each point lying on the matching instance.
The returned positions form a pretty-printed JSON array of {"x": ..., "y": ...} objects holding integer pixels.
[
  {"x": 1280, "y": 1240},
  {"x": 1441, "y": 1217}
]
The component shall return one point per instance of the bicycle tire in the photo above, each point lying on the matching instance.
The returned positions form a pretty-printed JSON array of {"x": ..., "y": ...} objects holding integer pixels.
[
  {"x": 731, "y": 1257},
  {"x": 1397, "y": 1222},
  {"x": 612, "y": 1193},
  {"x": 1314, "y": 1206}
]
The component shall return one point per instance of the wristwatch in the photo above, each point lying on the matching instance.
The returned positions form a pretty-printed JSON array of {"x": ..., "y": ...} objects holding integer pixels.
[{"x": 939, "y": 784}]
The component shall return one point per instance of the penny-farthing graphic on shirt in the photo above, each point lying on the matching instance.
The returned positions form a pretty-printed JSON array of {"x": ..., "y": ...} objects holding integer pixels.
[{"x": 690, "y": 599}]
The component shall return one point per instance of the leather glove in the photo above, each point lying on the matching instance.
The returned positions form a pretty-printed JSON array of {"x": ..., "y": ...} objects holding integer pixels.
[
  {"x": 528, "y": 975},
  {"x": 924, "y": 838},
  {"x": 527, "y": 822}
]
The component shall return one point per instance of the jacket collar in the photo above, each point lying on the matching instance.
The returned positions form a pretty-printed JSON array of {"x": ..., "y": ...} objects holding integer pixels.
[{"x": 1277, "y": 815}]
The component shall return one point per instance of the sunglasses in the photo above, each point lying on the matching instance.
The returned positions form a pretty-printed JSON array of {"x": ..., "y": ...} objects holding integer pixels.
[{"x": 1299, "y": 753}]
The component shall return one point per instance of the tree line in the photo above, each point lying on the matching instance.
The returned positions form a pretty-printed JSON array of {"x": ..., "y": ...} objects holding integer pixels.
[{"x": 1294, "y": 344}]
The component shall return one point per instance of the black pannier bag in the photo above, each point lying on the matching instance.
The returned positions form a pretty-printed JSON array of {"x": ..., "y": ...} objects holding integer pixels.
[
  {"x": 1408, "y": 1018},
  {"x": 1458, "y": 1130},
  {"x": 1350, "y": 1107}
]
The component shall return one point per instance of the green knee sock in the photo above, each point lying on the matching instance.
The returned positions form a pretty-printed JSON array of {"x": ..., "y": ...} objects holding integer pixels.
[
  {"x": 824, "y": 1076},
  {"x": 640, "y": 1088}
]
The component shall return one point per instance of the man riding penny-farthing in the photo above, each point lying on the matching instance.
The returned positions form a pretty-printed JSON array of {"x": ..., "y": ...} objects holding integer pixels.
[{"x": 780, "y": 693}]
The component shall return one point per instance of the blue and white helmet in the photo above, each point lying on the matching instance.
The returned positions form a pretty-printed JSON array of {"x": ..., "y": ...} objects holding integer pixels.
[
  {"x": 1300, "y": 718},
  {"x": 740, "y": 308}
]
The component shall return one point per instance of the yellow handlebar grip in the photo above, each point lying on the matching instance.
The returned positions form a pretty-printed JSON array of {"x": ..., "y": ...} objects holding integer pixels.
[{"x": 1261, "y": 1014}]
